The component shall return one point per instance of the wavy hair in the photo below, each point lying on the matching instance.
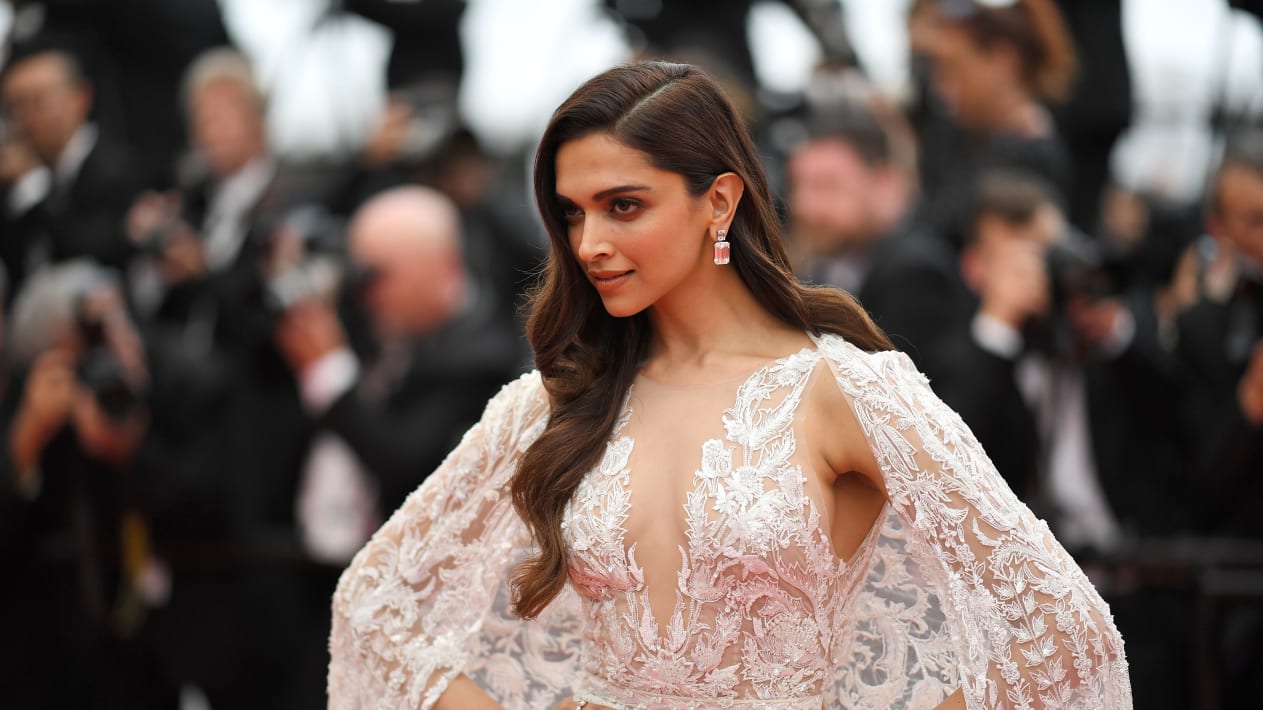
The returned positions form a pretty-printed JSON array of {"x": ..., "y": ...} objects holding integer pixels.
[
  {"x": 683, "y": 123},
  {"x": 1036, "y": 29}
]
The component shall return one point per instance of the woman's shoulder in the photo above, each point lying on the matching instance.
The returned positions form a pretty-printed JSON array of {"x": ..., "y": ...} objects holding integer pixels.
[
  {"x": 885, "y": 381},
  {"x": 527, "y": 387},
  {"x": 885, "y": 377},
  {"x": 519, "y": 409},
  {"x": 849, "y": 359},
  {"x": 523, "y": 395}
]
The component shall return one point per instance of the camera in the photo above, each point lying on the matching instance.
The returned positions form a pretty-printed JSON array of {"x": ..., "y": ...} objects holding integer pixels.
[
  {"x": 316, "y": 269},
  {"x": 314, "y": 277},
  {"x": 1078, "y": 268},
  {"x": 99, "y": 369},
  {"x": 154, "y": 243},
  {"x": 101, "y": 372}
]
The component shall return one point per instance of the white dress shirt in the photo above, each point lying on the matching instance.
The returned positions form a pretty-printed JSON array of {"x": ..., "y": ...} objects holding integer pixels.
[
  {"x": 337, "y": 499},
  {"x": 37, "y": 184},
  {"x": 1057, "y": 394},
  {"x": 227, "y": 218}
]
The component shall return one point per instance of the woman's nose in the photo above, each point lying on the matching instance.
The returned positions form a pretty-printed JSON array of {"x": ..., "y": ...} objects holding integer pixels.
[{"x": 591, "y": 242}]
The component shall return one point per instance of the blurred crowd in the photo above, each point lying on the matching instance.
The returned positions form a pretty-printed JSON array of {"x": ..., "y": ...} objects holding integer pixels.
[{"x": 223, "y": 368}]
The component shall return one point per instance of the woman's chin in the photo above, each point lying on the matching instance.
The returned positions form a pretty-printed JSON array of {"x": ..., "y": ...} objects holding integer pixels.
[{"x": 620, "y": 308}]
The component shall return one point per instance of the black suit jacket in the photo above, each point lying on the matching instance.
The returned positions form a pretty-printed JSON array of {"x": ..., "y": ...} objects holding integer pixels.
[
  {"x": 1134, "y": 405},
  {"x": 914, "y": 294},
  {"x": 1100, "y": 105},
  {"x": 404, "y": 436},
  {"x": 84, "y": 218},
  {"x": 233, "y": 290},
  {"x": 718, "y": 28},
  {"x": 1214, "y": 345},
  {"x": 217, "y": 481},
  {"x": 61, "y": 562},
  {"x": 982, "y": 387}
]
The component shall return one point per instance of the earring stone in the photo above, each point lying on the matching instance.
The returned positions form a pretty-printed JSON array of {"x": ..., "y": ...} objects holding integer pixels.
[{"x": 722, "y": 247}]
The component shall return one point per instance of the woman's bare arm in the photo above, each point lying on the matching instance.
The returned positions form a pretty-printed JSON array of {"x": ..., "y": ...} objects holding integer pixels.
[
  {"x": 464, "y": 694},
  {"x": 955, "y": 701}
]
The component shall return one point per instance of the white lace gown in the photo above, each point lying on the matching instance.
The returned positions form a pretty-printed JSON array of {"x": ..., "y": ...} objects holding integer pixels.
[{"x": 703, "y": 574}]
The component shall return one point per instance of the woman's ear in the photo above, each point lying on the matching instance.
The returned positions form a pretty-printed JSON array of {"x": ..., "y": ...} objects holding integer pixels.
[{"x": 724, "y": 195}]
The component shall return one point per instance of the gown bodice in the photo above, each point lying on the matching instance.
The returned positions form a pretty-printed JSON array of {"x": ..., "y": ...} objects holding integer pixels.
[
  {"x": 699, "y": 549},
  {"x": 702, "y": 574}
]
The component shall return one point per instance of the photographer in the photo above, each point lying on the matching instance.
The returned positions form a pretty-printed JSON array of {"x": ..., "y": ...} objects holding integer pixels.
[
  {"x": 81, "y": 455},
  {"x": 135, "y": 528},
  {"x": 66, "y": 185},
  {"x": 388, "y": 410},
  {"x": 1044, "y": 368},
  {"x": 439, "y": 350},
  {"x": 195, "y": 237},
  {"x": 1220, "y": 340},
  {"x": 89, "y": 375},
  {"x": 995, "y": 68}
]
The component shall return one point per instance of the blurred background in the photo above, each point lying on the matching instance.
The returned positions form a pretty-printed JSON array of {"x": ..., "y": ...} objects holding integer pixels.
[{"x": 264, "y": 260}]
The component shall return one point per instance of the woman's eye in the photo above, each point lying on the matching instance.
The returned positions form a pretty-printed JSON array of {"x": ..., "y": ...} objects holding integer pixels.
[
  {"x": 571, "y": 213},
  {"x": 623, "y": 207}
]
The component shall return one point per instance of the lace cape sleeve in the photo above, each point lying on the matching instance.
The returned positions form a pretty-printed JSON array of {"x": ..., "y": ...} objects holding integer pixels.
[
  {"x": 427, "y": 598},
  {"x": 967, "y": 587}
]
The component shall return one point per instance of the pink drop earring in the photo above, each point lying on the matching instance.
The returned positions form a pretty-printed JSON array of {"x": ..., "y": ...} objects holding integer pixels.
[{"x": 722, "y": 247}]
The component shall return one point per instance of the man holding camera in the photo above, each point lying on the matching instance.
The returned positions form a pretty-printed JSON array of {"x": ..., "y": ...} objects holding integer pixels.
[
  {"x": 389, "y": 410},
  {"x": 194, "y": 239},
  {"x": 1220, "y": 340},
  {"x": 105, "y": 466},
  {"x": 1044, "y": 366},
  {"x": 440, "y": 353},
  {"x": 66, "y": 185}
]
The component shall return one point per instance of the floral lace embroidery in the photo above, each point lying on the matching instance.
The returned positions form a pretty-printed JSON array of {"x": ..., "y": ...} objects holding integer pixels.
[
  {"x": 961, "y": 585},
  {"x": 758, "y": 582},
  {"x": 1035, "y": 632}
]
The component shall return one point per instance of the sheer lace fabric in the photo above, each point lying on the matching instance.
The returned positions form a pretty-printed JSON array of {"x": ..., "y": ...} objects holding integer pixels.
[
  {"x": 733, "y": 600},
  {"x": 702, "y": 574}
]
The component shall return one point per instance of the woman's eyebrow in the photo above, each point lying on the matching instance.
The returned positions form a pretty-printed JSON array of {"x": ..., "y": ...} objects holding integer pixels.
[
  {"x": 616, "y": 190},
  {"x": 603, "y": 194}
]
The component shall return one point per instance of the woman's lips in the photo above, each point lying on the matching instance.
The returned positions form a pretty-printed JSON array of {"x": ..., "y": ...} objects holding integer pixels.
[{"x": 606, "y": 281}]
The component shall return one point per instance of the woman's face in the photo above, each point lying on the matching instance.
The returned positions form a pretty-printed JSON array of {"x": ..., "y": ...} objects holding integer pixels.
[
  {"x": 966, "y": 76},
  {"x": 635, "y": 230}
]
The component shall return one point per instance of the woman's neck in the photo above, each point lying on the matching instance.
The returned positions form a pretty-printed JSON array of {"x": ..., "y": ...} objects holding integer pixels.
[
  {"x": 715, "y": 322},
  {"x": 1019, "y": 113}
]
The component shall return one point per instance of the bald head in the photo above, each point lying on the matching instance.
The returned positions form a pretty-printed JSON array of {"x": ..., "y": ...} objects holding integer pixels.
[
  {"x": 407, "y": 219},
  {"x": 409, "y": 239}
]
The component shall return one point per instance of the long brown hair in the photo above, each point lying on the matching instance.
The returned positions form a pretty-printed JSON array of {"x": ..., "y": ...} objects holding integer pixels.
[
  {"x": 1036, "y": 30},
  {"x": 683, "y": 123}
]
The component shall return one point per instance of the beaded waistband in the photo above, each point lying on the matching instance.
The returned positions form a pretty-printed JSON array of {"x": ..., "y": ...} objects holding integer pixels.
[{"x": 598, "y": 693}]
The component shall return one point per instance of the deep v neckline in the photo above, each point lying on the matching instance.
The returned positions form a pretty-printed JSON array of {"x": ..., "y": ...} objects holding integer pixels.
[
  {"x": 621, "y": 445},
  {"x": 747, "y": 519},
  {"x": 627, "y": 442}
]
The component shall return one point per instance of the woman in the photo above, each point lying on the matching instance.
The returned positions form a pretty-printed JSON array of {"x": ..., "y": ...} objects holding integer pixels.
[
  {"x": 721, "y": 488},
  {"x": 995, "y": 67}
]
